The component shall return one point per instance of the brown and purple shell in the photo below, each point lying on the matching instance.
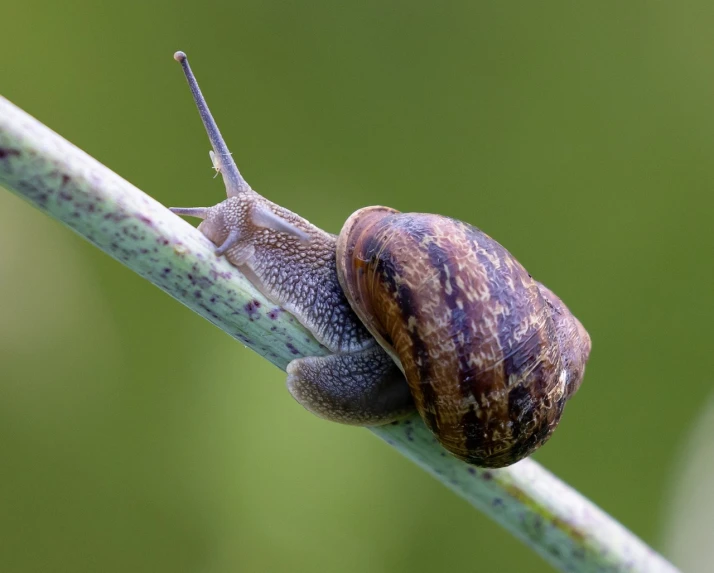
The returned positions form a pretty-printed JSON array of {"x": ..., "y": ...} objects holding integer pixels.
[{"x": 491, "y": 355}]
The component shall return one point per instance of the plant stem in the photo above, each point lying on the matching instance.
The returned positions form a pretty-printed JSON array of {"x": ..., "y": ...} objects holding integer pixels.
[{"x": 58, "y": 178}]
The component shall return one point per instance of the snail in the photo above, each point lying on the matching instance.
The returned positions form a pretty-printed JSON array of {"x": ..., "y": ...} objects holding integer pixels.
[{"x": 417, "y": 310}]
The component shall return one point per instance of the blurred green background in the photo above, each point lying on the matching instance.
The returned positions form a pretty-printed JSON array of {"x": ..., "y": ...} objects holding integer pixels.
[{"x": 134, "y": 436}]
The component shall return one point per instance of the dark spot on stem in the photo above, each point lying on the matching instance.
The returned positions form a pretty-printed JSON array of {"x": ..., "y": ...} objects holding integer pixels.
[
  {"x": 252, "y": 309},
  {"x": 5, "y": 152}
]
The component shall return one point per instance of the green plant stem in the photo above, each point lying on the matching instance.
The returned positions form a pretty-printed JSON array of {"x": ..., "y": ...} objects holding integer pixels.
[{"x": 58, "y": 178}]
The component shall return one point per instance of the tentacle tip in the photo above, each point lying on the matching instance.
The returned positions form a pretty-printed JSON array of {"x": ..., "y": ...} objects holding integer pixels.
[
  {"x": 180, "y": 56},
  {"x": 200, "y": 212}
]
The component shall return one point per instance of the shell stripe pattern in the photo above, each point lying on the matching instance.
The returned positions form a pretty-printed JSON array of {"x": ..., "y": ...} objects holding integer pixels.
[{"x": 462, "y": 314}]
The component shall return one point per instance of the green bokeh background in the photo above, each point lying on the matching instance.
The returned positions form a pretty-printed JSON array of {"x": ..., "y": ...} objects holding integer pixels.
[{"x": 134, "y": 436}]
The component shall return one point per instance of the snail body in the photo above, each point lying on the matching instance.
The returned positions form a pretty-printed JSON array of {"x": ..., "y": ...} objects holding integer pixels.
[{"x": 418, "y": 310}]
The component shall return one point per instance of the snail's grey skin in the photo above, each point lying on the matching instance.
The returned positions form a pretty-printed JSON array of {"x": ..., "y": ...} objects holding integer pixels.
[
  {"x": 418, "y": 310},
  {"x": 292, "y": 262}
]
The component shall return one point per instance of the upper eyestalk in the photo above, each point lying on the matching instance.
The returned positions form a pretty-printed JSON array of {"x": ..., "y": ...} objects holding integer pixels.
[{"x": 235, "y": 184}]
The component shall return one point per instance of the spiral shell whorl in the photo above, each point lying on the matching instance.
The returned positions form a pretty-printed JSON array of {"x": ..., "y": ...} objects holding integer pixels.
[{"x": 468, "y": 324}]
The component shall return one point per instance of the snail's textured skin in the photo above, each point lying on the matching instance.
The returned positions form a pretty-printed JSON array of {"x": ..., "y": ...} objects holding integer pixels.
[
  {"x": 298, "y": 273},
  {"x": 292, "y": 262},
  {"x": 474, "y": 333}
]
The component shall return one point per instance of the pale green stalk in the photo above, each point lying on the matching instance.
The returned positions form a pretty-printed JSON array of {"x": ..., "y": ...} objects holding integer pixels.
[{"x": 67, "y": 184}]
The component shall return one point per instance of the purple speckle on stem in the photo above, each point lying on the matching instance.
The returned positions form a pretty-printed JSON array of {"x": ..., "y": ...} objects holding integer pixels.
[
  {"x": 117, "y": 218},
  {"x": 291, "y": 348},
  {"x": 5, "y": 152},
  {"x": 472, "y": 471},
  {"x": 251, "y": 307}
]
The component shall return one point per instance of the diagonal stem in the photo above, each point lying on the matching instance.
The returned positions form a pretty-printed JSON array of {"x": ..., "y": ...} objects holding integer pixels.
[{"x": 58, "y": 178}]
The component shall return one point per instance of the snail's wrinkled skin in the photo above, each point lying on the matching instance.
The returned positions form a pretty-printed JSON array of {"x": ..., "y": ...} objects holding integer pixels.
[
  {"x": 292, "y": 262},
  {"x": 491, "y": 356}
]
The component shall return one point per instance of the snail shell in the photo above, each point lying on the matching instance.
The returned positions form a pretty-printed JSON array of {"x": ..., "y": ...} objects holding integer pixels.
[{"x": 490, "y": 355}]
